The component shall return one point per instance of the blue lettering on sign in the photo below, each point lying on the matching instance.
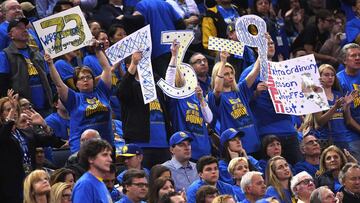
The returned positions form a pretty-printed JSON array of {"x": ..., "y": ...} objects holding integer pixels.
[
  {"x": 49, "y": 38},
  {"x": 296, "y": 69}
]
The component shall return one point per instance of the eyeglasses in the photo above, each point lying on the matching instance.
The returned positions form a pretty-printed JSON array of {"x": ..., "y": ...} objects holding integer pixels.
[
  {"x": 199, "y": 61},
  {"x": 85, "y": 77},
  {"x": 305, "y": 181},
  {"x": 312, "y": 142},
  {"x": 66, "y": 197},
  {"x": 141, "y": 185}
]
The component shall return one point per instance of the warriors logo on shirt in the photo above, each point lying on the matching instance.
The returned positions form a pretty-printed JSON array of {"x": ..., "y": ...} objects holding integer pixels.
[
  {"x": 238, "y": 109},
  {"x": 31, "y": 68},
  {"x": 94, "y": 106},
  {"x": 193, "y": 114},
  {"x": 155, "y": 106},
  {"x": 357, "y": 98}
]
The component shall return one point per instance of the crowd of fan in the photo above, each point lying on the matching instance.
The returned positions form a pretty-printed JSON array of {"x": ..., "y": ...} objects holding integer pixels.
[{"x": 225, "y": 143}]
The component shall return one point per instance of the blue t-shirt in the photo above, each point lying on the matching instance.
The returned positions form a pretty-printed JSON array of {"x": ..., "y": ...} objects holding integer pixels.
[
  {"x": 158, "y": 138},
  {"x": 336, "y": 127},
  {"x": 222, "y": 187},
  {"x": 352, "y": 29},
  {"x": 186, "y": 115},
  {"x": 233, "y": 111},
  {"x": 271, "y": 192},
  {"x": 60, "y": 125},
  {"x": 65, "y": 69},
  {"x": 36, "y": 87},
  {"x": 89, "y": 110},
  {"x": 267, "y": 120},
  {"x": 90, "y": 189},
  {"x": 238, "y": 193},
  {"x": 306, "y": 166},
  {"x": 162, "y": 17},
  {"x": 224, "y": 174}
]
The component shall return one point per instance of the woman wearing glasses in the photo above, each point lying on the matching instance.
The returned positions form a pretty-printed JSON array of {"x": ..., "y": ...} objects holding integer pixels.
[{"x": 90, "y": 107}]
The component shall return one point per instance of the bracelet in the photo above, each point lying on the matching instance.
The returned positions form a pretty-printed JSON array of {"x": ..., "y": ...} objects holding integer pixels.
[
  {"x": 172, "y": 66},
  {"x": 220, "y": 76}
]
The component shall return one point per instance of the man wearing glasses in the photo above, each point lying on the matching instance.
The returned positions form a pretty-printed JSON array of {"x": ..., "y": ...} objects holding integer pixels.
[
  {"x": 201, "y": 67},
  {"x": 311, "y": 151},
  {"x": 302, "y": 186},
  {"x": 135, "y": 186}
]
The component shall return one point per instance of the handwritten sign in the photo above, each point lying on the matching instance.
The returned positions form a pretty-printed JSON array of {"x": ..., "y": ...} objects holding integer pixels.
[
  {"x": 63, "y": 32},
  {"x": 137, "y": 41},
  {"x": 250, "y": 30},
  {"x": 184, "y": 38},
  {"x": 295, "y": 88},
  {"x": 219, "y": 44}
]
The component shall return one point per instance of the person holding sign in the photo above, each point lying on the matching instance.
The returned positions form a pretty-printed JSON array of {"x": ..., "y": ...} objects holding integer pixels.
[
  {"x": 90, "y": 107},
  {"x": 189, "y": 114},
  {"x": 332, "y": 123}
]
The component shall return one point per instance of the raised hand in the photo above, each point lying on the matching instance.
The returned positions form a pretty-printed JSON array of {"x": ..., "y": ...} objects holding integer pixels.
[
  {"x": 223, "y": 56},
  {"x": 48, "y": 58},
  {"x": 136, "y": 57},
  {"x": 174, "y": 48},
  {"x": 35, "y": 118},
  {"x": 199, "y": 93},
  {"x": 13, "y": 99}
]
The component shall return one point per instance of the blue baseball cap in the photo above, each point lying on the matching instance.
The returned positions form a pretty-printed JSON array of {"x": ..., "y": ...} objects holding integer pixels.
[
  {"x": 130, "y": 150},
  {"x": 230, "y": 134},
  {"x": 178, "y": 137}
]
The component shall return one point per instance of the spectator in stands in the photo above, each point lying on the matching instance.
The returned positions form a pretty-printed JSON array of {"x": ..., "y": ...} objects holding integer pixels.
[
  {"x": 147, "y": 125},
  {"x": 352, "y": 26},
  {"x": 302, "y": 185},
  {"x": 95, "y": 156},
  {"x": 349, "y": 177},
  {"x": 334, "y": 124},
  {"x": 116, "y": 33},
  {"x": 41, "y": 162},
  {"x": 133, "y": 156},
  {"x": 332, "y": 159},
  {"x": 63, "y": 175},
  {"x": 173, "y": 197},
  {"x": 162, "y": 17},
  {"x": 135, "y": 186},
  {"x": 323, "y": 195},
  {"x": 90, "y": 107},
  {"x": 191, "y": 113},
  {"x": 12, "y": 10},
  {"x": 224, "y": 199},
  {"x": 37, "y": 187},
  {"x": 18, "y": 143},
  {"x": 278, "y": 176},
  {"x": 253, "y": 186},
  {"x": 230, "y": 102},
  {"x": 158, "y": 171},
  {"x": 206, "y": 194},
  {"x": 32, "y": 81},
  {"x": 267, "y": 121},
  {"x": 231, "y": 147},
  {"x": 110, "y": 180},
  {"x": 61, "y": 193},
  {"x": 295, "y": 22},
  {"x": 160, "y": 187},
  {"x": 180, "y": 164},
  {"x": 237, "y": 168},
  {"x": 311, "y": 151},
  {"x": 208, "y": 169},
  {"x": 216, "y": 20},
  {"x": 271, "y": 146},
  {"x": 95, "y": 27},
  {"x": 200, "y": 64},
  {"x": 315, "y": 35}
]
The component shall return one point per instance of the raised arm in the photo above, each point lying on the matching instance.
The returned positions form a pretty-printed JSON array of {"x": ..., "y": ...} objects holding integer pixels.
[
  {"x": 62, "y": 89},
  {"x": 349, "y": 120},
  {"x": 322, "y": 118},
  {"x": 219, "y": 80},
  {"x": 171, "y": 70},
  {"x": 205, "y": 109},
  {"x": 250, "y": 79},
  {"x": 106, "y": 73}
]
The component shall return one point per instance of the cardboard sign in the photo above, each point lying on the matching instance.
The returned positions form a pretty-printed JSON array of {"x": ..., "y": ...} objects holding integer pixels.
[
  {"x": 219, "y": 44},
  {"x": 63, "y": 32}
]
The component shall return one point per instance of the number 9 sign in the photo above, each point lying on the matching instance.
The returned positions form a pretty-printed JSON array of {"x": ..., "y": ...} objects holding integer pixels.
[
  {"x": 250, "y": 30},
  {"x": 184, "y": 38}
]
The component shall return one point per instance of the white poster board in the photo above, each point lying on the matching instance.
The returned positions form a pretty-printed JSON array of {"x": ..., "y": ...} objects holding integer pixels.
[
  {"x": 295, "y": 88},
  {"x": 219, "y": 44},
  {"x": 184, "y": 38},
  {"x": 63, "y": 32},
  {"x": 137, "y": 41}
]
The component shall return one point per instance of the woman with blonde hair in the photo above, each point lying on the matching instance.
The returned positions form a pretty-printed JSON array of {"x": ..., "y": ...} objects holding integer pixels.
[
  {"x": 61, "y": 193},
  {"x": 223, "y": 199},
  {"x": 278, "y": 175},
  {"x": 37, "y": 187},
  {"x": 332, "y": 160},
  {"x": 333, "y": 123},
  {"x": 230, "y": 101}
]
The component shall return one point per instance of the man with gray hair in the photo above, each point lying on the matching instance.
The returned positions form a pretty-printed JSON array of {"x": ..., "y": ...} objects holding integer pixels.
[
  {"x": 323, "y": 195},
  {"x": 349, "y": 177},
  {"x": 350, "y": 80},
  {"x": 302, "y": 184},
  {"x": 310, "y": 148},
  {"x": 253, "y": 185}
]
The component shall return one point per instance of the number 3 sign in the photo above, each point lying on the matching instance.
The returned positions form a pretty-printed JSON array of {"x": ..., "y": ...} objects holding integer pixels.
[{"x": 63, "y": 32}]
